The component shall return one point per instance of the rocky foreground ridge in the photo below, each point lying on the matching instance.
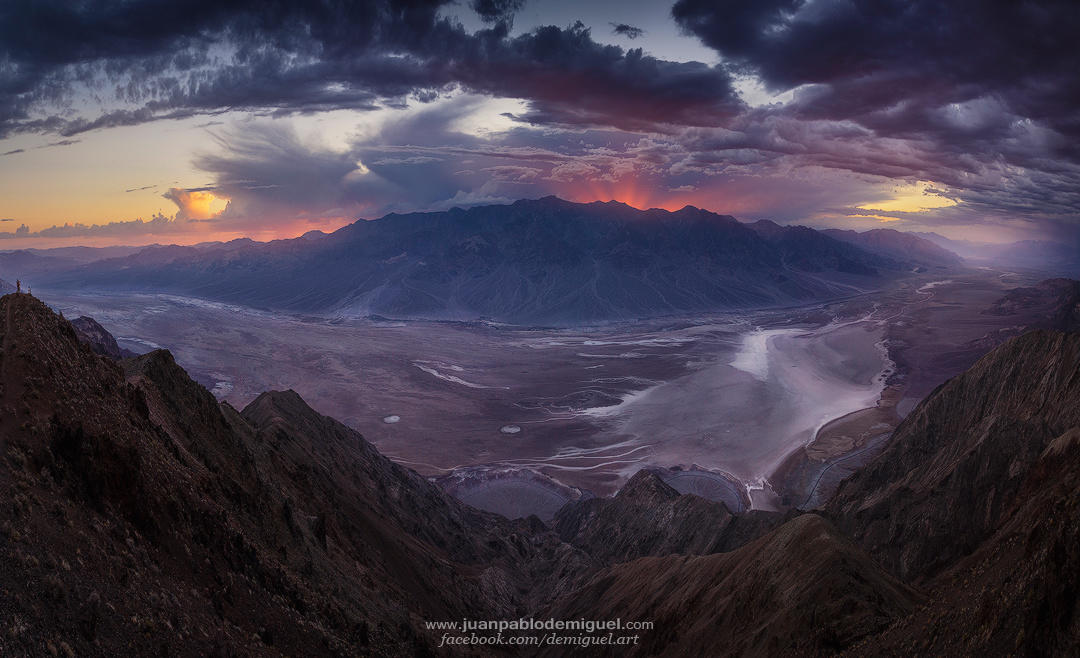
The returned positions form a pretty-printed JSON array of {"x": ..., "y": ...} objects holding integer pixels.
[{"x": 143, "y": 517}]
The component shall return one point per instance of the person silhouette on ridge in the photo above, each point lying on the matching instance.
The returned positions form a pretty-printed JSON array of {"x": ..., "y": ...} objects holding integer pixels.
[{"x": 18, "y": 286}]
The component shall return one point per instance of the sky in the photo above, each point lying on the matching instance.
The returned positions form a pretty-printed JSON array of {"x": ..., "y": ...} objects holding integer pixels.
[{"x": 141, "y": 121}]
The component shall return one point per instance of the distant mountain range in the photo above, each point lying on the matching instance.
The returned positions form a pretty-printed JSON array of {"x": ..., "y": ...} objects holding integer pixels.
[
  {"x": 545, "y": 261},
  {"x": 1051, "y": 258},
  {"x": 905, "y": 247},
  {"x": 144, "y": 517}
]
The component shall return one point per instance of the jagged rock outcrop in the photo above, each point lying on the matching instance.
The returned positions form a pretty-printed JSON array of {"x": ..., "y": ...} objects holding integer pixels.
[
  {"x": 958, "y": 460},
  {"x": 649, "y": 517},
  {"x": 99, "y": 339},
  {"x": 1017, "y": 594}
]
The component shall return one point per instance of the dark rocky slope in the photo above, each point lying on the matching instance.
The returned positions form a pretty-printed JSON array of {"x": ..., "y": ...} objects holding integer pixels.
[
  {"x": 957, "y": 461},
  {"x": 1017, "y": 593},
  {"x": 145, "y": 518},
  {"x": 98, "y": 338},
  {"x": 803, "y": 589}
]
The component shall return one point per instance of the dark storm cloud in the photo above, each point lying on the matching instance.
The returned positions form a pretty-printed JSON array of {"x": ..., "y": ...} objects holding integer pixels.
[
  {"x": 978, "y": 96},
  {"x": 190, "y": 57},
  {"x": 894, "y": 63},
  {"x": 271, "y": 176},
  {"x": 412, "y": 162},
  {"x": 571, "y": 79},
  {"x": 764, "y": 165},
  {"x": 268, "y": 162},
  {"x": 492, "y": 11},
  {"x": 628, "y": 31}
]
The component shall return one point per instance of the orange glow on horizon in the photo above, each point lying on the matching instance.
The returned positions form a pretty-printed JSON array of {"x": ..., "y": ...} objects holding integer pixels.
[
  {"x": 630, "y": 191},
  {"x": 643, "y": 195},
  {"x": 202, "y": 216}
]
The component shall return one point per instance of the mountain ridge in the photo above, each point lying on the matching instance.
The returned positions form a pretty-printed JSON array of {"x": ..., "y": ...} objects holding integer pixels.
[
  {"x": 962, "y": 454},
  {"x": 898, "y": 244},
  {"x": 195, "y": 530},
  {"x": 545, "y": 261}
]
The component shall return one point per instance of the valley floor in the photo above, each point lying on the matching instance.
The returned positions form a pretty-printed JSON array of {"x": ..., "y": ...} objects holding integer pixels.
[{"x": 767, "y": 409}]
